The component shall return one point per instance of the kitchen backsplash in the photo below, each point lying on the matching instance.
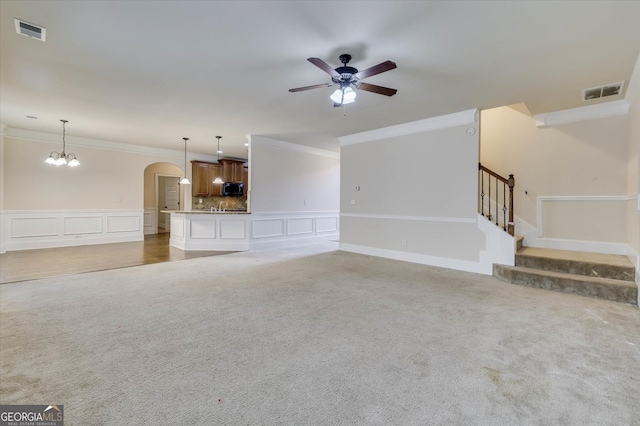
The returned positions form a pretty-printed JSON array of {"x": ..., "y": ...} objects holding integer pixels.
[{"x": 233, "y": 203}]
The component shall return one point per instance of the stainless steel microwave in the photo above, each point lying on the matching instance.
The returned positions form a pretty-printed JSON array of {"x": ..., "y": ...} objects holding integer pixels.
[{"x": 233, "y": 189}]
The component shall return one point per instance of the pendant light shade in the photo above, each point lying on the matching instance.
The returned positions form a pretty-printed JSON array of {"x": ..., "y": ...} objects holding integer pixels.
[
  {"x": 218, "y": 180},
  {"x": 62, "y": 158},
  {"x": 185, "y": 180}
]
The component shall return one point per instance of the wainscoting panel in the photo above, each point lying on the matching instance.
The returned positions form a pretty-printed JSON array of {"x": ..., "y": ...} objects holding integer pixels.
[
  {"x": 123, "y": 223},
  {"x": 298, "y": 226},
  {"x": 203, "y": 228},
  {"x": 150, "y": 226},
  {"x": 82, "y": 225},
  {"x": 268, "y": 228},
  {"x": 281, "y": 229},
  {"x": 34, "y": 229},
  {"x": 26, "y": 227},
  {"x": 177, "y": 226},
  {"x": 232, "y": 229},
  {"x": 327, "y": 224}
]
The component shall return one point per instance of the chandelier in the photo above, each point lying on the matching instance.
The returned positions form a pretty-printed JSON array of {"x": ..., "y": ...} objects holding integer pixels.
[{"x": 62, "y": 158}]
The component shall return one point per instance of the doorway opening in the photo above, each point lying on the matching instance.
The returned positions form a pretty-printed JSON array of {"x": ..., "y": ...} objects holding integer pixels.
[{"x": 161, "y": 193}]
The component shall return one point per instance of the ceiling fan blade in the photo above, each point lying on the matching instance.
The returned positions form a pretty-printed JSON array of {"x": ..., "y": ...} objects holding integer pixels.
[
  {"x": 315, "y": 86},
  {"x": 377, "y": 89},
  {"x": 376, "y": 69},
  {"x": 335, "y": 104},
  {"x": 323, "y": 66}
]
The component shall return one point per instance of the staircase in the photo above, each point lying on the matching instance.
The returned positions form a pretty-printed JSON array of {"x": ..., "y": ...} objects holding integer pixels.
[{"x": 603, "y": 276}]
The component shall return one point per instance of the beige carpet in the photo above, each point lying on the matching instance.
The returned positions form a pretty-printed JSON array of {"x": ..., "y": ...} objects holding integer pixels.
[{"x": 313, "y": 336}]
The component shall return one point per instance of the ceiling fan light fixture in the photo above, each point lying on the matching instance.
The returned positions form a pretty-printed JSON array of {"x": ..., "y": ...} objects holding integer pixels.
[
  {"x": 343, "y": 96},
  {"x": 349, "y": 95},
  {"x": 336, "y": 96}
]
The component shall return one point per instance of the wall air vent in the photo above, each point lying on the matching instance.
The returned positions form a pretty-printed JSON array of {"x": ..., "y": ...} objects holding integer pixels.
[
  {"x": 30, "y": 30},
  {"x": 602, "y": 91}
]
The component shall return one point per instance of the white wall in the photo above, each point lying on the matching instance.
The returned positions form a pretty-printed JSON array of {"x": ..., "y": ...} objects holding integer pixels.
[
  {"x": 571, "y": 179},
  {"x": 633, "y": 180},
  {"x": 294, "y": 193},
  {"x": 409, "y": 192},
  {"x": 286, "y": 177},
  {"x": 111, "y": 176}
]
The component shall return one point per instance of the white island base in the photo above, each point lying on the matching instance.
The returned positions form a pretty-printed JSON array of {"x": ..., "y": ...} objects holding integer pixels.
[{"x": 224, "y": 231}]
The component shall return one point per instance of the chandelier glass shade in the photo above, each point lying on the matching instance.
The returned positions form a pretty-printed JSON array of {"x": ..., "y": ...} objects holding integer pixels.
[{"x": 62, "y": 158}]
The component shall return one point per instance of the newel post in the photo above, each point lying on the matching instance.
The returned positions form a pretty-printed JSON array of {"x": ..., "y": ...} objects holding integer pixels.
[{"x": 511, "y": 182}]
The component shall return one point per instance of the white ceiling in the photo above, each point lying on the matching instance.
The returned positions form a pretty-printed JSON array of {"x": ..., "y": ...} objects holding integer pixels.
[{"x": 152, "y": 72}]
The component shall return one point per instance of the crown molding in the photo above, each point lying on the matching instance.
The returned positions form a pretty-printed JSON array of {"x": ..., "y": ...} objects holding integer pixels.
[
  {"x": 93, "y": 143},
  {"x": 469, "y": 116},
  {"x": 590, "y": 112},
  {"x": 261, "y": 140}
]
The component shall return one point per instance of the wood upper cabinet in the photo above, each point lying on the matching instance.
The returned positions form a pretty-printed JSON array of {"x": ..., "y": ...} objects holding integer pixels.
[
  {"x": 232, "y": 170},
  {"x": 215, "y": 170},
  {"x": 203, "y": 175}
]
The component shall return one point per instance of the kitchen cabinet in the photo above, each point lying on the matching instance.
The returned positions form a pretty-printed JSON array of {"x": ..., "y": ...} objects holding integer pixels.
[
  {"x": 203, "y": 174},
  {"x": 232, "y": 170}
]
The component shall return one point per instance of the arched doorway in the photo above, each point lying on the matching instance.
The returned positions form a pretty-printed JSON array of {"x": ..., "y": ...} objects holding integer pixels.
[{"x": 161, "y": 192}]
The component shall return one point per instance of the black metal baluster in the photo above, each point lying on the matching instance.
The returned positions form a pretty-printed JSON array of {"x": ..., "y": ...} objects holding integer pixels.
[
  {"x": 482, "y": 193},
  {"x": 489, "y": 199},
  {"x": 497, "y": 204},
  {"x": 504, "y": 205}
]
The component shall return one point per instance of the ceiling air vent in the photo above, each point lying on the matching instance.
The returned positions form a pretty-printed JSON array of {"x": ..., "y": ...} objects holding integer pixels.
[
  {"x": 602, "y": 91},
  {"x": 30, "y": 30}
]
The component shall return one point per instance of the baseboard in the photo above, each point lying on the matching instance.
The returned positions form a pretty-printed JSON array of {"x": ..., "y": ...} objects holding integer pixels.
[
  {"x": 55, "y": 243},
  {"x": 442, "y": 262},
  {"x": 288, "y": 242}
]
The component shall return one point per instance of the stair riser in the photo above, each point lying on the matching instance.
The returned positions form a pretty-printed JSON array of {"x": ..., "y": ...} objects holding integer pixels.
[
  {"x": 616, "y": 293},
  {"x": 579, "y": 268}
]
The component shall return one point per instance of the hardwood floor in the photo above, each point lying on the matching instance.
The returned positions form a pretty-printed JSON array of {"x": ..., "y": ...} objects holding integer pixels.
[{"x": 41, "y": 263}]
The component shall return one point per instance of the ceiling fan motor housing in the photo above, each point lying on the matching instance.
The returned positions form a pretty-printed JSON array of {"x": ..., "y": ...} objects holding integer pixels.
[{"x": 346, "y": 74}]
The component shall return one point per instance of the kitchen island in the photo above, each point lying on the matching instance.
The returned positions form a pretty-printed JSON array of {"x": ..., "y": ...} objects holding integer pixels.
[{"x": 241, "y": 230}]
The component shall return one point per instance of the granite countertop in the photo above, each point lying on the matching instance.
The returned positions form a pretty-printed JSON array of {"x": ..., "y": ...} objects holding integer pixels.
[{"x": 206, "y": 211}]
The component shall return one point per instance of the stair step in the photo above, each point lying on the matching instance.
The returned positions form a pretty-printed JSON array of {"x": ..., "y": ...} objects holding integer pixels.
[
  {"x": 573, "y": 262},
  {"x": 519, "y": 242},
  {"x": 601, "y": 288}
]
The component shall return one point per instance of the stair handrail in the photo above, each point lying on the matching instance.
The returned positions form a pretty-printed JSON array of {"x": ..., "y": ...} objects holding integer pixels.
[{"x": 507, "y": 182}]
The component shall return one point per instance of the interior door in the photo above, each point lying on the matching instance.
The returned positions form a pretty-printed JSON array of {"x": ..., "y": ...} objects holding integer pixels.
[{"x": 169, "y": 199}]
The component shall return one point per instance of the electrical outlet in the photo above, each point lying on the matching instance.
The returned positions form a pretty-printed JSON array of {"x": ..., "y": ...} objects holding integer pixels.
[{"x": 353, "y": 201}]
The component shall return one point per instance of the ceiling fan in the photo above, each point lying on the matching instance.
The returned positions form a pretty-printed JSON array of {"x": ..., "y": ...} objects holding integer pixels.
[{"x": 349, "y": 77}]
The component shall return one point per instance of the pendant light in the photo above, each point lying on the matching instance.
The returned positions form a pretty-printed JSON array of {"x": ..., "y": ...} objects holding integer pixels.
[
  {"x": 185, "y": 180},
  {"x": 218, "y": 180},
  {"x": 62, "y": 158}
]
